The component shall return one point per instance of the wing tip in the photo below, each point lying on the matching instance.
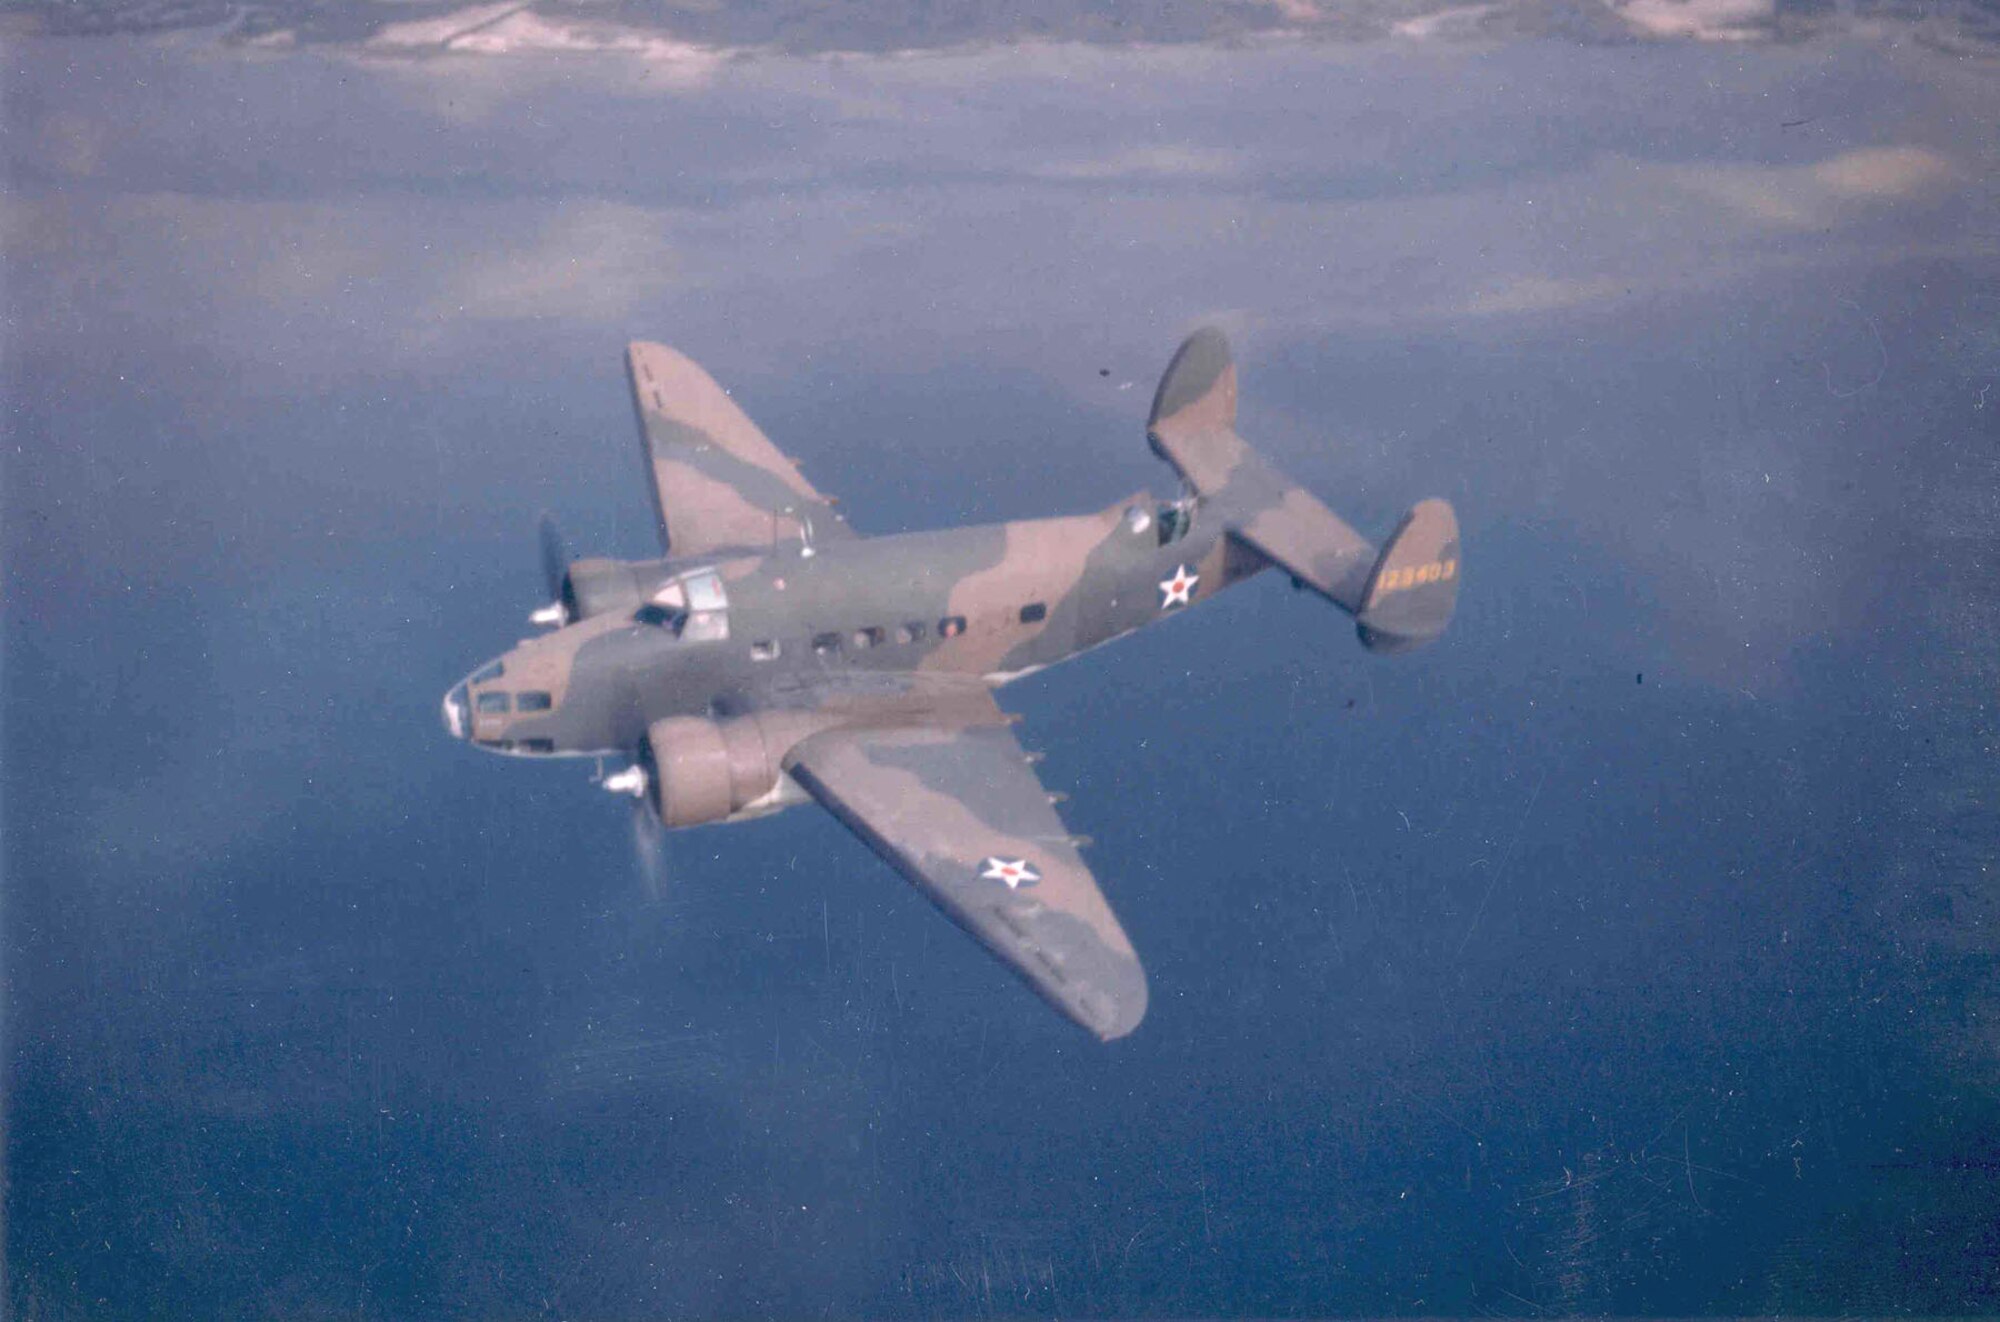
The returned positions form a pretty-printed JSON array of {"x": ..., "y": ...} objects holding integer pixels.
[{"x": 1109, "y": 1016}]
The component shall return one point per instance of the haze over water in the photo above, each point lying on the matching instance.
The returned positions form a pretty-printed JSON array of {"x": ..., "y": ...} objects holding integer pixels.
[{"x": 1631, "y": 950}]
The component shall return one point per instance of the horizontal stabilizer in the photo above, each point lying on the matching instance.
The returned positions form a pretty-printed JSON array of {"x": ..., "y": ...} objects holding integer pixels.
[
  {"x": 1292, "y": 526},
  {"x": 1411, "y": 594},
  {"x": 1193, "y": 427}
]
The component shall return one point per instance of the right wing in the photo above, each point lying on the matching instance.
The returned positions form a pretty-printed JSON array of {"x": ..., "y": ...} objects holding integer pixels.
[
  {"x": 718, "y": 482},
  {"x": 956, "y": 809}
]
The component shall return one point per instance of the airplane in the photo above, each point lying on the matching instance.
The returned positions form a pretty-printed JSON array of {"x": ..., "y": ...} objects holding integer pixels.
[{"x": 773, "y": 656}]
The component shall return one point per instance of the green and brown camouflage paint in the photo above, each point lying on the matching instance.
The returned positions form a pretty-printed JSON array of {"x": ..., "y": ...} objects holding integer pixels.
[{"x": 859, "y": 671}]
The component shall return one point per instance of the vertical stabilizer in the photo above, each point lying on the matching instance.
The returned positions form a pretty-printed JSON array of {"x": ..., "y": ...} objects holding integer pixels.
[{"x": 1414, "y": 589}]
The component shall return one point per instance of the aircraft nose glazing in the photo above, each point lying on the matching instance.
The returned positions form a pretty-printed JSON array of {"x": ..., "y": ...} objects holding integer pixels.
[{"x": 455, "y": 708}]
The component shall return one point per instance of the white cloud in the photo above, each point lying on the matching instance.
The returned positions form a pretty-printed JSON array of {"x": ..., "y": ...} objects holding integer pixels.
[
  {"x": 594, "y": 261},
  {"x": 440, "y": 32},
  {"x": 1154, "y": 162},
  {"x": 1703, "y": 20},
  {"x": 1806, "y": 196}
]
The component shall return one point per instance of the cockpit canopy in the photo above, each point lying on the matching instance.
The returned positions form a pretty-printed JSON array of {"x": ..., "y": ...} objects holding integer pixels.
[{"x": 694, "y": 606}]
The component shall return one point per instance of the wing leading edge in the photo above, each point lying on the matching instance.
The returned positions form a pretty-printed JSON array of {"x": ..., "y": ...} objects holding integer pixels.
[
  {"x": 718, "y": 482},
  {"x": 958, "y": 811}
]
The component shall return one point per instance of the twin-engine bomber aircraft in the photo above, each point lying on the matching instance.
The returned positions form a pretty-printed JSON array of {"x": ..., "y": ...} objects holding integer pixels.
[{"x": 774, "y": 655}]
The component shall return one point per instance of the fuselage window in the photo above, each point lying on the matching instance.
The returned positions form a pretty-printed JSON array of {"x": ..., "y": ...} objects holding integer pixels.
[
  {"x": 826, "y": 644},
  {"x": 490, "y": 703},
  {"x": 764, "y": 651},
  {"x": 532, "y": 700},
  {"x": 912, "y": 632},
  {"x": 951, "y": 626},
  {"x": 1034, "y": 612},
  {"x": 1176, "y": 517},
  {"x": 867, "y": 638}
]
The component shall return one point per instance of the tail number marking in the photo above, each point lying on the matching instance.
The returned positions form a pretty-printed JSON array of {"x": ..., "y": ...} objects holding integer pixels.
[{"x": 1413, "y": 576}]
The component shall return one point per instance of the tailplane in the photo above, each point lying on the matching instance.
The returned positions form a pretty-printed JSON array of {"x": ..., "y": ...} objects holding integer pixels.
[{"x": 1401, "y": 597}]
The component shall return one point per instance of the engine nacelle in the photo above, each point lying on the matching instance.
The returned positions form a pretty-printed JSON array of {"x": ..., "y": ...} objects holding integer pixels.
[{"x": 707, "y": 771}]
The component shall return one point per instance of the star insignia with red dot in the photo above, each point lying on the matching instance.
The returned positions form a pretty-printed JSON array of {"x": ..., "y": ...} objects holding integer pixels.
[
  {"x": 1016, "y": 872},
  {"x": 1178, "y": 590}
]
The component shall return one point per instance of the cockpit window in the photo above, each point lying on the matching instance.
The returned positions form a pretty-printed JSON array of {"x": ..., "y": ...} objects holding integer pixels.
[
  {"x": 704, "y": 591},
  {"x": 489, "y": 674},
  {"x": 660, "y": 617},
  {"x": 695, "y": 606},
  {"x": 532, "y": 700},
  {"x": 492, "y": 702}
]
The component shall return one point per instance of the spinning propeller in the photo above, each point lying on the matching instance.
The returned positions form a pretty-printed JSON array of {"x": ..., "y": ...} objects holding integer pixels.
[{"x": 555, "y": 562}]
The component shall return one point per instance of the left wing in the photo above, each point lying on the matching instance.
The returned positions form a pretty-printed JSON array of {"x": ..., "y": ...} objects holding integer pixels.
[
  {"x": 718, "y": 482},
  {"x": 956, "y": 809}
]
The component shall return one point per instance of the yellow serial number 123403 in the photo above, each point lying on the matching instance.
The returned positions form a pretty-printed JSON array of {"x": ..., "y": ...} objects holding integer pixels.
[{"x": 1410, "y": 576}]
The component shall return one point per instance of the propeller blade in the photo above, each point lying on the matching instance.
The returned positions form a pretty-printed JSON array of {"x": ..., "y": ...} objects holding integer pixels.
[
  {"x": 649, "y": 848},
  {"x": 555, "y": 560}
]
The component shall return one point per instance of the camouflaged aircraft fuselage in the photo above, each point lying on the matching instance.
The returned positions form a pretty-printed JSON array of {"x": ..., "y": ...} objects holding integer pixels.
[
  {"x": 775, "y": 656},
  {"x": 994, "y": 603}
]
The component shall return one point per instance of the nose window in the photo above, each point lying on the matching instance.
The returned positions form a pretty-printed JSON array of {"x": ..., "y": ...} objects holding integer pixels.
[
  {"x": 532, "y": 700},
  {"x": 490, "y": 703}
]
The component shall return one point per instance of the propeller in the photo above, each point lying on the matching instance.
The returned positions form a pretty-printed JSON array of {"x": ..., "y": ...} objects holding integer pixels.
[
  {"x": 555, "y": 561},
  {"x": 649, "y": 848},
  {"x": 649, "y": 833}
]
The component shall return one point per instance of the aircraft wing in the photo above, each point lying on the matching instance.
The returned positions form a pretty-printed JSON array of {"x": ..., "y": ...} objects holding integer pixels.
[
  {"x": 956, "y": 809},
  {"x": 718, "y": 482}
]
